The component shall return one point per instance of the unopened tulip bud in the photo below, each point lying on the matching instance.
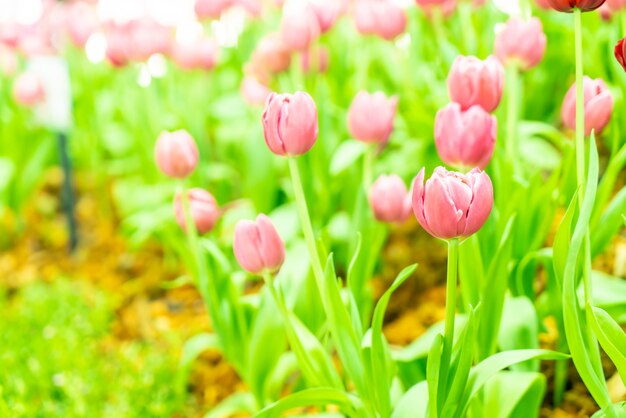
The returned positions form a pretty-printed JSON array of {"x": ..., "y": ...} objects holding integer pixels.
[
  {"x": 451, "y": 204},
  {"x": 522, "y": 42},
  {"x": 201, "y": 54},
  {"x": 202, "y": 207},
  {"x": 472, "y": 81},
  {"x": 465, "y": 138},
  {"x": 381, "y": 18},
  {"x": 271, "y": 55},
  {"x": 28, "y": 90},
  {"x": 620, "y": 53},
  {"x": 370, "y": 117},
  {"x": 327, "y": 12},
  {"x": 211, "y": 9},
  {"x": 290, "y": 123},
  {"x": 82, "y": 22},
  {"x": 598, "y": 106},
  {"x": 299, "y": 26},
  {"x": 569, "y": 5},
  {"x": 257, "y": 246},
  {"x": 390, "y": 200},
  {"x": 176, "y": 154}
]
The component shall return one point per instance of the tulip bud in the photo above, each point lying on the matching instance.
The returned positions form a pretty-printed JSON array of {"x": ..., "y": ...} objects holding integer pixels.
[
  {"x": 522, "y": 42},
  {"x": 299, "y": 26},
  {"x": 147, "y": 38},
  {"x": 290, "y": 123},
  {"x": 201, "y": 54},
  {"x": 176, "y": 154},
  {"x": 475, "y": 82},
  {"x": 370, "y": 117},
  {"x": 465, "y": 138},
  {"x": 327, "y": 12},
  {"x": 202, "y": 207},
  {"x": 117, "y": 47},
  {"x": 271, "y": 55},
  {"x": 598, "y": 106},
  {"x": 253, "y": 91},
  {"x": 569, "y": 5},
  {"x": 452, "y": 204},
  {"x": 211, "y": 9},
  {"x": 380, "y": 18},
  {"x": 82, "y": 21},
  {"x": 390, "y": 200},
  {"x": 28, "y": 90},
  {"x": 445, "y": 7},
  {"x": 620, "y": 53},
  {"x": 257, "y": 246}
]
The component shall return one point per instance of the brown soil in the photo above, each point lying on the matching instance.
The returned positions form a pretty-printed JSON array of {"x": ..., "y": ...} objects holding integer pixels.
[{"x": 146, "y": 310}]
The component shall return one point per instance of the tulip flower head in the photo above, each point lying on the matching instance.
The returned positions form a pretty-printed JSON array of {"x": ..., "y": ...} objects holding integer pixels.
[
  {"x": 28, "y": 90},
  {"x": 451, "y": 204},
  {"x": 598, "y": 106},
  {"x": 370, "y": 117},
  {"x": 299, "y": 26},
  {"x": 465, "y": 138},
  {"x": 568, "y": 6},
  {"x": 290, "y": 123},
  {"x": 176, "y": 154},
  {"x": 472, "y": 81},
  {"x": 202, "y": 207},
  {"x": 389, "y": 199},
  {"x": 257, "y": 246},
  {"x": 253, "y": 91},
  {"x": 271, "y": 56},
  {"x": 444, "y": 7},
  {"x": 327, "y": 12},
  {"x": 201, "y": 54},
  {"x": 379, "y": 17},
  {"x": 620, "y": 53},
  {"x": 211, "y": 9},
  {"x": 522, "y": 42}
]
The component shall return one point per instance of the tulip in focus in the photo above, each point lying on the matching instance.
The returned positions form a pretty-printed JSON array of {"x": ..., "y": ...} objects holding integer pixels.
[
  {"x": 28, "y": 90},
  {"x": 257, "y": 246},
  {"x": 569, "y": 5},
  {"x": 451, "y": 204},
  {"x": 176, "y": 154},
  {"x": 390, "y": 200},
  {"x": 522, "y": 42},
  {"x": 465, "y": 139},
  {"x": 598, "y": 106},
  {"x": 202, "y": 207},
  {"x": 472, "y": 81},
  {"x": 290, "y": 123},
  {"x": 370, "y": 117},
  {"x": 620, "y": 53},
  {"x": 299, "y": 27}
]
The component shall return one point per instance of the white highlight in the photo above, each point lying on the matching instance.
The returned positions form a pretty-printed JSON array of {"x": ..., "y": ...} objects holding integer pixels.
[{"x": 96, "y": 48}]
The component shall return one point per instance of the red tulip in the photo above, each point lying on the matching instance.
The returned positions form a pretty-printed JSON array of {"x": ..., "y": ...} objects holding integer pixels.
[
  {"x": 620, "y": 53},
  {"x": 569, "y": 5}
]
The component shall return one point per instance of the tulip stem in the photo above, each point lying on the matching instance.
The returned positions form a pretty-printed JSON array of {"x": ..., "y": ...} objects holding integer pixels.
[
  {"x": 305, "y": 220},
  {"x": 368, "y": 162},
  {"x": 512, "y": 115},
  {"x": 446, "y": 354},
  {"x": 580, "y": 106}
]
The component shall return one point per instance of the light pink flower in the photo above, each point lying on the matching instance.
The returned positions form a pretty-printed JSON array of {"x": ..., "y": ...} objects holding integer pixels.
[{"x": 257, "y": 246}]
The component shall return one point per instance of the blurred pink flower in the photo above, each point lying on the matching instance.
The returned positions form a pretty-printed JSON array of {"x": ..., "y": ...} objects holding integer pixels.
[
  {"x": 472, "y": 81},
  {"x": 176, "y": 154},
  {"x": 253, "y": 91},
  {"x": 379, "y": 17},
  {"x": 201, "y": 54},
  {"x": 522, "y": 42},
  {"x": 299, "y": 26},
  {"x": 28, "y": 90},
  {"x": 202, "y": 207},
  {"x": 257, "y": 246},
  {"x": 390, "y": 200},
  {"x": 598, "y": 106},
  {"x": 370, "y": 117}
]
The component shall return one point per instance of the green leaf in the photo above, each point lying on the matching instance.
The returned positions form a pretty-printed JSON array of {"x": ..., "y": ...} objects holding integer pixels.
[
  {"x": 413, "y": 403},
  {"x": 237, "y": 403},
  {"x": 519, "y": 329},
  {"x": 471, "y": 272},
  {"x": 491, "y": 366},
  {"x": 618, "y": 409},
  {"x": 609, "y": 223},
  {"x": 514, "y": 395},
  {"x": 611, "y": 337},
  {"x": 345, "y": 156},
  {"x": 433, "y": 370},
  {"x": 380, "y": 348},
  {"x": 195, "y": 346},
  {"x": 419, "y": 348},
  {"x": 321, "y": 397}
]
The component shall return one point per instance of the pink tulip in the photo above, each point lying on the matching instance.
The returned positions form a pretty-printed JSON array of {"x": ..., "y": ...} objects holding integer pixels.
[
  {"x": 82, "y": 21},
  {"x": 445, "y": 7},
  {"x": 598, "y": 106},
  {"x": 28, "y": 90},
  {"x": 201, "y": 54},
  {"x": 148, "y": 38},
  {"x": 118, "y": 47},
  {"x": 465, "y": 138},
  {"x": 475, "y": 82},
  {"x": 10, "y": 33},
  {"x": 522, "y": 42},
  {"x": 370, "y": 117},
  {"x": 390, "y": 200},
  {"x": 314, "y": 60},
  {"x": 379, "y": 17},
  {"x": 202, "y": 207},
  {"x": 616, "y": 5},
  {"x": 271, "y": 55},
  {"x": 452, "y": 204},
  {"x": 253, "y": 91},
  {"x": 257, "y": 246},
  {"x": 543, "y": 4},
  {"x": 176, "y": 154},
  {"x": 327, "y": 12},
  {"x": 211, "y": 9},
  {"x": 290, "y": 123},
  {"x": 299, "y": 27}
]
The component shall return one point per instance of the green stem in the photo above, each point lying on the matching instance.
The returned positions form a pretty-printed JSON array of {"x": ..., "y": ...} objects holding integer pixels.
[
  {"x": 368, "y": 165},
  {"x": 512, "y": 115},
  {"x": 451, "y": 282},
  {"x": 469, "y": 31},
  {"x": 305, "y": 220}
]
